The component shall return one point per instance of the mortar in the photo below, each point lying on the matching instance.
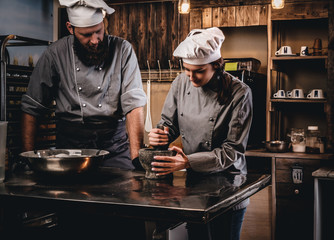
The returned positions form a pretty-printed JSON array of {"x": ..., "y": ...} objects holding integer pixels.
[{"x": 146, "y": 157}]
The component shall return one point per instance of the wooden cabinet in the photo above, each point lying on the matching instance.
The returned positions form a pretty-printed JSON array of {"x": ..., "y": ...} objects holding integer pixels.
[
  {"x": 291, "y": 190},
  {"x": 294, "y": 198}
]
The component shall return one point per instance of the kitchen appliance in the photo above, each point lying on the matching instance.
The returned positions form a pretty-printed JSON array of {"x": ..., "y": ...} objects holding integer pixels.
[
  {"x": 14, "y": 83},
  {"x": 258, "y": 84}
]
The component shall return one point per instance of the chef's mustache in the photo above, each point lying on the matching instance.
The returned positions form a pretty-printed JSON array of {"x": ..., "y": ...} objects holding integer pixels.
[{"x": 91, "y": 56}]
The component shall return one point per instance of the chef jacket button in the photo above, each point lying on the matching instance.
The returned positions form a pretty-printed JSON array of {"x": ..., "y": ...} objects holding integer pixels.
[
  {"x": 78, "y": 69},
  {"x": 99, "y": 87},
  {"x": 211, "y": 119},
  {"x": 181, "y": 114},
  {"x": 188, "y": 93},
  {"x": 182, "y": 136},
  {"x": 100, "y": 105},
  {"x": 84, "y": 105},
  {"x": 79, "y": 88},
  {"x": 100, "y": 69},
  {"x": 207, "y": 143}
]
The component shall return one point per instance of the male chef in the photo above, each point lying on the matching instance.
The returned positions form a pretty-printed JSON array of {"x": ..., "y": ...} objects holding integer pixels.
[{"x": 95, "y": 81}]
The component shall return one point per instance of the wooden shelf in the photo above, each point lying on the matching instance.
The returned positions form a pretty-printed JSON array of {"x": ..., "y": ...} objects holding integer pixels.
[
  {"x": 265, "y": 153},
  {"x": 304, "y": 100},
  {"x": 284, "y": 58}
]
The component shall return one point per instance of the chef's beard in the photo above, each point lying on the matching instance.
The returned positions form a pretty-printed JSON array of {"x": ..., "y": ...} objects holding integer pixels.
[{"x": 92, "y": 56}]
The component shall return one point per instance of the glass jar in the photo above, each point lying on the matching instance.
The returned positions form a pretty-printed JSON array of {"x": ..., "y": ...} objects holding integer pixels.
[
  {"x": 298, "y": 139},
  {"x": 313, "y": 139}
]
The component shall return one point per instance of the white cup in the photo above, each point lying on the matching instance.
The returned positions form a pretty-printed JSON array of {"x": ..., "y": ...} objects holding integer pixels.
[
  {"x": 284, "y": 50},
  {"x": 316, "y": 93},
  {"x": 279, "y": 94},
  {"x": 295, "y": 93},
  {"x": 303, "y": 51},
  {"x": 3, "y": 139}
]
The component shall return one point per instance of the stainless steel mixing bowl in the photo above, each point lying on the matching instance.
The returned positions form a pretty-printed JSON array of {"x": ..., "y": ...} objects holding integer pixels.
[{"x": 64, "y": 161}]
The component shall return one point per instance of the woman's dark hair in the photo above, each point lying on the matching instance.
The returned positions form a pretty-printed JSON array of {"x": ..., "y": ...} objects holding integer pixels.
[{"x": 222, "y": 82}]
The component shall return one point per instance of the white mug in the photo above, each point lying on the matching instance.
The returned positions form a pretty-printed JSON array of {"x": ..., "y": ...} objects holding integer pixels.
[
  {"x": 284, "y": 50},
  {"x": 279, "y": 94},
  {"x": 295, "y": 93},
  {"x": 303, "y": 51},
  {"x": 316, "y": 93}
]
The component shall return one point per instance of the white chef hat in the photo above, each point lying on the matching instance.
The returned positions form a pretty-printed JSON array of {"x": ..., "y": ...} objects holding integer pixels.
[
  {"x": 201, "y": 46},
  {"x": 86, "y": 13}
]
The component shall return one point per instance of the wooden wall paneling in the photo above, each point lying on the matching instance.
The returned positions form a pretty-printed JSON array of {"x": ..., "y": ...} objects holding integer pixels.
[
  {"x": 137, "y": 32},
  {"x": 215, "y": 17},
  {"x": 263, "y": 14},
  {"x": 240, "y": 16},
  {"x": 151, "y": 35},
  {"x": 173, "y": 32},
  {"x": 124, "y": 21},
  {"x": 161, "y": 36},
  {"x": 183, "y": 26},
  {"x": 249, "y": 18},
  {"x": 254, "y": 15},
  {"x": 195, "y": 19},
  {"x": 308, "y": 10},
  {"x": 113, "y": 22},
  {"x": 142, "y": 34},
  {"x": 133, "y": 36},
  {"x": 207, "y": 18},
  {"x": 226, "y": 17}
]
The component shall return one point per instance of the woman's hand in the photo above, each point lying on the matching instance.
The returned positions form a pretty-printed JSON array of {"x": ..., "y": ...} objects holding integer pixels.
[
  {"x": 158, "y": 137},
  {"x": 170, "y": 164}
]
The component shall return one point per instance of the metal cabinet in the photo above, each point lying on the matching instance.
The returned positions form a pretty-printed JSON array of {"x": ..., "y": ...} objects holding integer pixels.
[{"x": 14, "y": 83}]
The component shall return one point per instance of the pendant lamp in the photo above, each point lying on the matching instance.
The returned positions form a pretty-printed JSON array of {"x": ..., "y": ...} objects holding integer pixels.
[
  {"x": 277, "y": 4},
  {"x": 184, "y": 6}
]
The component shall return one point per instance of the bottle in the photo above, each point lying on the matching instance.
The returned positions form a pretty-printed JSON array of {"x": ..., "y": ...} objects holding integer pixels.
[{"x": 312, "y": 139}]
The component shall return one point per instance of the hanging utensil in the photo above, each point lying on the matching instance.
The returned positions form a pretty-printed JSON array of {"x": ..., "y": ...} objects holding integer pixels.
[
  {"x": 159, "y": 70},
  {"x": 170, "y": 69},
  {"x": 148, "y": 121}
]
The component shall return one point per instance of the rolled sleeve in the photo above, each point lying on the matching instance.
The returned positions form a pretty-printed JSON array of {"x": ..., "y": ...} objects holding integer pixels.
[
  {"x": 133, "y": 95},
  {"x": 133, "y": 99}
]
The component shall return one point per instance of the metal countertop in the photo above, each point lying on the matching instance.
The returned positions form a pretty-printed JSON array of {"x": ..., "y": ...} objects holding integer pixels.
[{"x": 183, "y": 197}]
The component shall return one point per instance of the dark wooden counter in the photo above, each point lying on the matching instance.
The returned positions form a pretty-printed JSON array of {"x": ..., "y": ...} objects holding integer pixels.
[{"x": 264, "y": 153}]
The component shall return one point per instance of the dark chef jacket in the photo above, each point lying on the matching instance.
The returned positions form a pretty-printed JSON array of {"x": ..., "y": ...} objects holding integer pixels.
[
  {"x": 85, "y": 93},
  {"x": 88, "y": 97},
  {"x": 214, "y": 137}
]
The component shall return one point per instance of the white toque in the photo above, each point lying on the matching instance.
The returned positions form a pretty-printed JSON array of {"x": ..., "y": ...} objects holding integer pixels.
[
  {"x": 202, "y": 46},
  {"x": 86, "y": 13}
]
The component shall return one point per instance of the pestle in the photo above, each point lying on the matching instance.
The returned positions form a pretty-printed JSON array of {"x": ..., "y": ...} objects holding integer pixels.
[{"x": 162, "y": 147}]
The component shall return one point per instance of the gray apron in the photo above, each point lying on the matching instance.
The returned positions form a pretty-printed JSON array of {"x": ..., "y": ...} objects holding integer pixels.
[{"x": 111, "y": 136}]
